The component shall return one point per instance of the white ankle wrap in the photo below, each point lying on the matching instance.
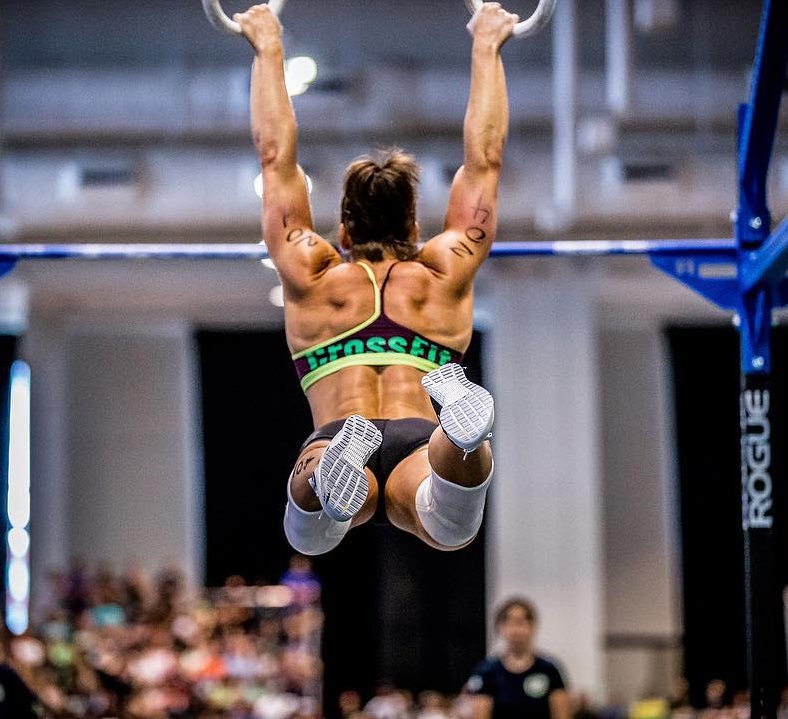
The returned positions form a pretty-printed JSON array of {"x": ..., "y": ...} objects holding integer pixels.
[
  {"x": 451, "y": 514},
  {"x": 311, "y": 532}
]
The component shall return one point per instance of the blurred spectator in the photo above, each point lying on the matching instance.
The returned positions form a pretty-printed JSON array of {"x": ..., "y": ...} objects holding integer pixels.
[
  {"x": 169, "y": 596},
  {"x": 650, "y": 707},
  {"x": 716, "y": 704},
  {"x": 388, "y": 703},
  {"x": 582, "y": 708},
  {"x": 462, "y": 706},
  {"x": 156, "y": 663},
  {"x": 679, "y": 700},
  {"x": 277, "y": 706},
  {"x": 740, "y": 704},
  {"x": 106, "y": 609},
  {"x": 782, "y": 707},
  {"x": 235, "y": 603},
  {"x": 350, "y": 705},
  {"x": 77, "y": 590},
  {"x": 519, "y": 683},
  {"x": 432, "y": 705},
  {"x": 136, "y": 591},
  {"x": 51, "y": 605},
  {"x": 302, "y": 581},
  {"x": 615, "y": 708},
  {"x": 240, "y": 657}
]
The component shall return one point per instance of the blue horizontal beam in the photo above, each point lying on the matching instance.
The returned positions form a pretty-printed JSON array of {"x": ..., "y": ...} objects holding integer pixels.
[
  {"x": 168, "y": 251},
  {"x": 610, "y": 247},
  {"x": 248, "y": 251}
]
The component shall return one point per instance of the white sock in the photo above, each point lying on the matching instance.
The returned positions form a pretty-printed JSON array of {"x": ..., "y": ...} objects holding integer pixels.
[
  {"x": 311, "y": 532},
  {"x": 451, "y": 514}
]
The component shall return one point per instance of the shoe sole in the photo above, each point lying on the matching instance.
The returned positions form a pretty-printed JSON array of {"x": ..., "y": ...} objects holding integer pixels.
[
  {"x": 339, "y": 480},
  {"x": 467, "y": 410}
]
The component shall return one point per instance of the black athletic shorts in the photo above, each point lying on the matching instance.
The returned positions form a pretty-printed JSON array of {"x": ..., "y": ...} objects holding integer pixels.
[{"x": 401, "y": 437}]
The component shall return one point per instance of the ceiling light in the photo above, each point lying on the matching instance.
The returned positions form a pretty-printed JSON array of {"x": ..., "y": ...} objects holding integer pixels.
[
  {"x": 277, "y": 296},
  {"x": 302, "y": 68}
]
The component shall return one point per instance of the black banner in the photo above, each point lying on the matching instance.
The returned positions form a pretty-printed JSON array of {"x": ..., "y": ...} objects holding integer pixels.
[{"x": 763, "y": 609}]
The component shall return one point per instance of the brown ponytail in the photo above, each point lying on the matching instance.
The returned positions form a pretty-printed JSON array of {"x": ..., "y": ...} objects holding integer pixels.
[{"x": 379, "y": 205}]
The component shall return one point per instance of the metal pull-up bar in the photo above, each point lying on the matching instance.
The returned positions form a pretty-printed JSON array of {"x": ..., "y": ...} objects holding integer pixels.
[{"x": 249, "y": 251}]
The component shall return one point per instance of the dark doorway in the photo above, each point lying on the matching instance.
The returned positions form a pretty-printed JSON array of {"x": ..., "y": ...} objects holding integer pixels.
[
  {"x": 251, "y": 436},
  {"x": 706, "y": 377},
  {"x": 394, "y": 609}
]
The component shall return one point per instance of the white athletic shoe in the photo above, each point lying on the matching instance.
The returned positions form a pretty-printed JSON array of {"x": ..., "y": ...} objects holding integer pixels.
[
  {"x": 467, "y": 411},
  {"x": 339, "y": 480}
]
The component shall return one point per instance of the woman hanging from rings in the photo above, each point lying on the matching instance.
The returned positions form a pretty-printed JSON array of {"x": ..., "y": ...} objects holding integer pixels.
[{"x": 378, "y": 329}]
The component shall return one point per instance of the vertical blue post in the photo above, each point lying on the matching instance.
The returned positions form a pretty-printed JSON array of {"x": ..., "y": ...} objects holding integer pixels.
[{"x": 757, "y": 128}]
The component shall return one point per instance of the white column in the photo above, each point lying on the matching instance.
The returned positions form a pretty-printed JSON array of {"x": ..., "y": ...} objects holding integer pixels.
[
  {"x": 135, "y": 488},
  {"x": 618, "y": 61},
  {"x": 42, "y": 348},
  {"x": 641, "y": 531},
  {"x": 564, "y": 111},
  {"x": 543, "y": 521}
]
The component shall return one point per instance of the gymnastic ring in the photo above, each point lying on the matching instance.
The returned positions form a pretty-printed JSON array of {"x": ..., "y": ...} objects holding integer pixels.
[
  {"x": 533, "y": 24},
  {"x": 217, "y": 17}
]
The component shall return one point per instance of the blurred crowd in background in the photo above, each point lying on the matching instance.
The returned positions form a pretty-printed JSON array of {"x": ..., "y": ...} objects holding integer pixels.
[
  {"x": 149, "y": 647},
  {"x": 134, "y": 646}
]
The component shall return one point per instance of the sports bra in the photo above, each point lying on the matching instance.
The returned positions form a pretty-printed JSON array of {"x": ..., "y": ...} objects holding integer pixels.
[{"x": 377, "y": 341}]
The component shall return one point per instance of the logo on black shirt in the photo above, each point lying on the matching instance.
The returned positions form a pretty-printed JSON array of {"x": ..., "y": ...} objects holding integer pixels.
[{"x": 536, "y": 685}]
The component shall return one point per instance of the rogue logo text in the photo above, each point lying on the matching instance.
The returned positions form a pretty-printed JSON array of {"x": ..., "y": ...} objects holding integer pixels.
[{"x": 756, "y": 459}]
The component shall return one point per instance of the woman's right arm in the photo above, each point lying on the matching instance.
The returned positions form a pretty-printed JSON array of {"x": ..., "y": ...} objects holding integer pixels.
[
  {"x": 471, "y": 218},
  {"x": 297, "y": 251}
]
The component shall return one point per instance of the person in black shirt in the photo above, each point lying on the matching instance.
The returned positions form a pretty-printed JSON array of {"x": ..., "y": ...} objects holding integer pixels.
[{"x": 518, "y": 683}]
